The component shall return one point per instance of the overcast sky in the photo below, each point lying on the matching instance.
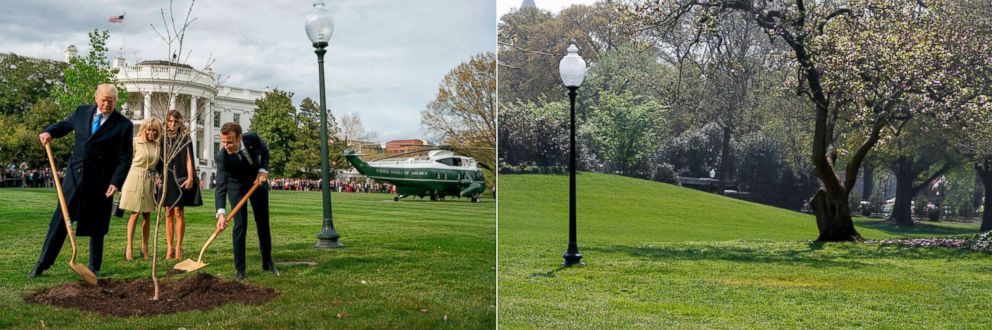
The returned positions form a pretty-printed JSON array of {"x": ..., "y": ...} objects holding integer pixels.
[{"x": 385, "y": 60}]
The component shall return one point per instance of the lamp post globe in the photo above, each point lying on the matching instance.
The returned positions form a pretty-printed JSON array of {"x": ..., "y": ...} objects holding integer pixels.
[
  {"x": 319, "y": 24},
  {"x": 320, "y": 27},
  {"x": 572, "y": 69}
]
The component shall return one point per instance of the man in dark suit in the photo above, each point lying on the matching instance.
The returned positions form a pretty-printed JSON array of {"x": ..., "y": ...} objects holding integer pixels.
[
  {"x": 101, "y": 157},
  {"x": 244, "y": 160}
]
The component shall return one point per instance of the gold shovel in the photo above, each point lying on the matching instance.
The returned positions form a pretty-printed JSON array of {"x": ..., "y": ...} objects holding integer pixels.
[
  {"x": 81, "y": 270},
  {"x": 189, "y": 265}
]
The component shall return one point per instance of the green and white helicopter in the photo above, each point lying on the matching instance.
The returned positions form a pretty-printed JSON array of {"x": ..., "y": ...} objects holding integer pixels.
[{"x": 437, "y": 174}]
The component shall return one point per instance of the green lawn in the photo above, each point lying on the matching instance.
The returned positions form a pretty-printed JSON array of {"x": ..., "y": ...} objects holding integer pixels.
[
  {"x": 411, "y": 264},
  {"x": 664, "y": 256}
]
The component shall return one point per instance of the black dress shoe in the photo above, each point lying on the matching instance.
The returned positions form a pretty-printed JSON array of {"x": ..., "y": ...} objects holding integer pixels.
[
  {"x": 241, "y": 276},
  {"x": 36, "y": 271},
  {"x": 271, "y": 267}
]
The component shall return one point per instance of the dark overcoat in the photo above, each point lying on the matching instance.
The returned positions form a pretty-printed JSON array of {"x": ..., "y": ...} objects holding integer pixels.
[
  {"x": 237, "y": 176},
  {"x": 97, "y": 161}
]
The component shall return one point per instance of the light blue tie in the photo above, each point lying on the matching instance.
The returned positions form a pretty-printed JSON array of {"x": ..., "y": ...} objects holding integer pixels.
[{"x": 96, "y": 123}]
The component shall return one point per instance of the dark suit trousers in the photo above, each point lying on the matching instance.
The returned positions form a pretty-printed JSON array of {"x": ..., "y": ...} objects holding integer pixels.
[
  {"x": 56, "y": 237},
  {"x": 260, "y": 208}
]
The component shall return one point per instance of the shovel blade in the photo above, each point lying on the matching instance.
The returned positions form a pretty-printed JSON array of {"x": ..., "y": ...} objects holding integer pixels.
[
  {"x": 84, "y": 273},
  {"x": 189, "y": 265}
]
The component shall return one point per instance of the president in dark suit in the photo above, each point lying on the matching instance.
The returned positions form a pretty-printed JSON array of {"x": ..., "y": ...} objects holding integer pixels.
[
  {"x": 101, "y": 157},
  {"x": 244, "y": 160}
]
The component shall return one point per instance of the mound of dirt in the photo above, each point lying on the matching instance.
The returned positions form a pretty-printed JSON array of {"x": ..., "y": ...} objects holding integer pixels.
[{"x": 133, "y": 297}]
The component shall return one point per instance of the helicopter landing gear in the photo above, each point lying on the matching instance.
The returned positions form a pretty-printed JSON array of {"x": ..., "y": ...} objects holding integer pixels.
[{"x": 476, "y": 199}]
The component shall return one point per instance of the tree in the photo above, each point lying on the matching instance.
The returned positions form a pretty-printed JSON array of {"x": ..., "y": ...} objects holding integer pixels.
[
  {"x": 305, "y": 162},
  {"x": 352, "y": 129},
  {"x": 622, "y": 128},
  {"x": 25, "y": 81},
  {"x": 917, "y": 158},
  {"x": 83, "y": 74},
  {"x": 532, "y": 41},
  {"x": 23, "y": 131},
  {"x": 463, "y": 114},
  {"x": 275, "y": 122},
  {"x": 533, "y": 133},
  {"x": 858, "y": 62},
  {"x": 731, "y": 68},
  {"x": 632, "y": 67}
]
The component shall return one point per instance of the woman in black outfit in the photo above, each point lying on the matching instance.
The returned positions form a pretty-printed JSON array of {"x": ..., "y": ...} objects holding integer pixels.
[{"x": 183, "y": 186}]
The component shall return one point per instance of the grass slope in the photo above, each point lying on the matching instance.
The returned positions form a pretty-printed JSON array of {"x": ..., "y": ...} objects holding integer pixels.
[
  {"x": 664, "y": 256},
  {"x": 407, "y": 264}
]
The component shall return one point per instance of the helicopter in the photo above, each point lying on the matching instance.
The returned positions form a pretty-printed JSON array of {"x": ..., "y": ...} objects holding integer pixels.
[{"x": 437, "y": 174}]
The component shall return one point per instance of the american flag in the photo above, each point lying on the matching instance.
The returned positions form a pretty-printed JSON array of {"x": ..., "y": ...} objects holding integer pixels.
[{"x": 116, "y": 19}]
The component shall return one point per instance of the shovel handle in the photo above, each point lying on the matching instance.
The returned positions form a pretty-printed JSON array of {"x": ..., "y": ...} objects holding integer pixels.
[
  {"x": 230, "y": 216},
  {"x": 65, "y": 206}
]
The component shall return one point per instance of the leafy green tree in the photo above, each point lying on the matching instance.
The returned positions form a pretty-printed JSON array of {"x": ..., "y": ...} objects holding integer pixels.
[
  {"x": 305, "y": 162},
  {"x": 532, "y": 133},
  {"x": 26, "y": 109},
  {"x": 83, "y": 74},
  {"x": 25, "y": 81},
  {"x": 916, "y": 157},
  {"x": 623, "y": 128},
  {"x": 633, "y": 68},
  {"x": 275, "y": 121},
  {"x": 21, "y": 144}
]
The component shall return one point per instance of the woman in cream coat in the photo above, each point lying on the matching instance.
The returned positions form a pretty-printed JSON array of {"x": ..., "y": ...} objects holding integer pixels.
[{"x": 138, "y": 195}]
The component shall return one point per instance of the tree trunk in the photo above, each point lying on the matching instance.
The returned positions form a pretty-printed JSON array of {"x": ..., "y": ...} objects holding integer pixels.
[
  {"x": 984, "y": 170},
  {"x": 867, "y": 182},
  {"x": 833, "y": 217},
  {"x": 867, "y": 187},
  {"x": 902, "y": 212},
  {"x": 724, "y": 160},
  {"x": 977, "y": 192}
]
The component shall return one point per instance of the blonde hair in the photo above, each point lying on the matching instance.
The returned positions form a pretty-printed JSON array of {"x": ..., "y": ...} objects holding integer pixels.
[{"x": 149, "y": 124}]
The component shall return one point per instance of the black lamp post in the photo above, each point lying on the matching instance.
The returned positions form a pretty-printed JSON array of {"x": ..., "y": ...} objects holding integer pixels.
[
  {"x": 573, "y": 70},
  {"x": 320, "y": 27}
]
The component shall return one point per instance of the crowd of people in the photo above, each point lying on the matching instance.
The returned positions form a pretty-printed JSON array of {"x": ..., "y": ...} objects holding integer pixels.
[
  {"x": 361, "y": 185},
  {"x": 29, "y": 178}
]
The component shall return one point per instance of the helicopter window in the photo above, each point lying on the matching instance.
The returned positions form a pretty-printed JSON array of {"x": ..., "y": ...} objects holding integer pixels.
[{"x": 449, "y": 161}]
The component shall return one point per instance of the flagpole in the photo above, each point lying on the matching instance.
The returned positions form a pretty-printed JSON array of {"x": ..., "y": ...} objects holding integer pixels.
[{"x": 123, "y": 35}]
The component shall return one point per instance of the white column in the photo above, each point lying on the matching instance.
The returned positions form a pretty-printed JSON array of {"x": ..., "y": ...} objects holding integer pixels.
[
  {"x": 192, "y": 124},
  {"x": 172, "y": 102},
  {"x": 208, "y": 133},
  {"x": 147, "y": 105}
]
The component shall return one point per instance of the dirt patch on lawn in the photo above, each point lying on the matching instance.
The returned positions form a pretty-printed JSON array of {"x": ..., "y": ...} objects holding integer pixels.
[
  {"x": 133, "y": 297},
  {"x": 957, "y": 243}
]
